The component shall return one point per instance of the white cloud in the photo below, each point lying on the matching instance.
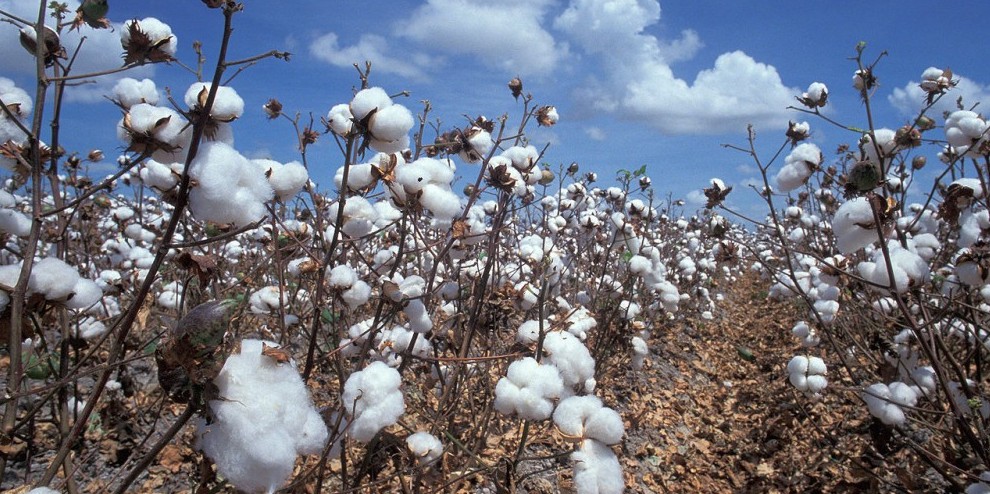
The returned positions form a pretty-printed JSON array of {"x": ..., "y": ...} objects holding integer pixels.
[
  {"x": 595, "y": 133},
  {"x": 506, "y": 35},
  {"x": 100, "y": 52},
  {"x": 641, "y": 85},
  {"x": 695, "y": 199},
  {"x": 370, "y": 47},
  {"x": 910, "y": 99}
]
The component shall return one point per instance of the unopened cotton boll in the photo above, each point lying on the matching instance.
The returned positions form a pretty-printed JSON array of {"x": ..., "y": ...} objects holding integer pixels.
[
  {"x": 264, "y": 419},
  {"x": 584, "y": 417},
  {"x": 373, "y": 400}
]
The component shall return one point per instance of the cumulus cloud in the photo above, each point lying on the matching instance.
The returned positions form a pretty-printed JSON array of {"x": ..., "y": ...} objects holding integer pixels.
[
  {"x": 695, "y": 198},
  {"x": 641, "y": 85},
  {"x": 507, "y": 35},
  {"x": 595, "y": 133},
  {"x": 370, "y": 47},
  {"x": 101, "y": 51},
  {"x": 910, "y": 99}
]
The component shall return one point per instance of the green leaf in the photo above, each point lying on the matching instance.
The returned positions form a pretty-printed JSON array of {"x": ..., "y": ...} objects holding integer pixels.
[{"x": 328, "y": 316}]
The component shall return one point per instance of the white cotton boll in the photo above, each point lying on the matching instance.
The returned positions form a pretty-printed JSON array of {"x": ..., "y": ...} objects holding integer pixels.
[
  {"x": 571, "y": 357},
  {"x": 229, "y": 188},
  {"x": 584, "y": 417},
  {"x": 15, "y": 98},
  {"x": 854, "y": 225},
  {"x": 158, "y": 175},
  {"x": 885, "y": 401},
  {"x": 640, "y": 265},
  {"x": 528, "y": 332},
  {"x": 803, "y": 160},
  {"x": 267, "y": 299},
  {"x": 136, "y": 232},
  {"x": 357, "y": 295},
  {"x": 342, "y": 276},
  {"x": 419, "y": 318},
  {"x": 164, "y": 124},
  {"x": 522, "y": 158},
  {"x": 129, "y": 92},
  {"x": 597, "y": 469},
  {"x": 287, "y": 180},
  {"x": 479, "y": 145},
  {"x": 640, "y": 351},
  {"x": 15, "y": 223},
  {"x": 340, "y": 119},
  {"x": 909, "y": 269},
  {"x": 807, "y": 374},
  {"x": 48, "y": 490},
  {"x": 396, "y": 146},
  {"x": 169, "y": 299},
  {"x": 159, "y": 34},
  {"x": 84, "y": 294},
  {"x": 528, "y": 295},
  {"x": 53, "y": 278},
  {"x": 227, "y": 104},
  {"x": 926, "y": 380},
  {"x": 425, "y": 447},
  {"x": 264, "y": 419},
  {"x": 391, "y": 123},
  {"x": 444, "y": 204},
  {"x": 373, "y": 400},
  {"x": 885, "y": 143},
  {"x": 528, "y": 390},
  {"x": 89, "y": 328},
  {"x": 629, "y": 310},
  {"x": 367, "y": 100}
]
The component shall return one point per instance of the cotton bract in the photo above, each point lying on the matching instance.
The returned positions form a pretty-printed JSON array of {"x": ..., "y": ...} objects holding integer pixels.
[{"x": 263, "y": 420}]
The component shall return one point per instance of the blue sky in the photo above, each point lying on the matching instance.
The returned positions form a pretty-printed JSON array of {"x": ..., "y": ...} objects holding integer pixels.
[{"x": 635, "y": 81}]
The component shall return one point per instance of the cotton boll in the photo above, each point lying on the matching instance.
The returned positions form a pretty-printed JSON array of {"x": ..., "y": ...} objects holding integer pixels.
[
  {"x": 84, "y": 294},
  {"x": 129, "y": 92},
  {"x": 89, "y": 328},
  {"x": 425, "y": 447},
  {"x": 287, "y": 180},
  {"x": 267, "y": 300},
  {"x": 584, "y": 417},
  {"x": 528, "y": 389},
  {"x": 885, "y": 401},
  {"x": 798, "y": 166},
  {"x": 640, "y": 351},
  {"x": 156, "y": 33},
  {"x": 419, "y": 318},
  {"x": 263, "y": 421},
  {"x": 48, "y": 490},
  {"x": 597, "y": 469},
  {"x": 372, "y": 399},
  {"x": 444, "y": 204},
  {"x": 572, "y": 359},
  {"x": 368, "y": 100},
  {"x": 342, "y": 276},
  {"x": 909, "y": 269},
  {"x": 528, "y": 332},
  {"x": 227, "y": 104},
  {"x": 53, "y": 278},
  {"x": 885, "y": 143},
  {"x": 229, "y": 188},
  {"x": 391, "y": 123},
  {"x": 357, "y": 295},
  {"x": 340, "y": 120},
  {"x": 854, "y": 225},
  {"x": 807, "y": 374},
  {"x": 15, "y": 222}
]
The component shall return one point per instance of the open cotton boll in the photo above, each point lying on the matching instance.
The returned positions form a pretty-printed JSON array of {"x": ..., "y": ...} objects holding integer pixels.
[
  {"x": 48, "y": 490},
  {"x": 160, "y": 176},
  {"x": 15, "y": 222},
  {"x": 529, "y": 331},
  {"x": 439, "y": 200},
  {"x": 53, "y": 278},
  {"x": 854, "y": 225},
  {"x": 640, "y": 351},
  {"x": 425, "y": 447},
  {"x": 367, "y": 100},
  {"x": 807, "y": 374},
  {"x": 584, "y": 417},
  {"x": 980, "y": 487},
  {"x": 342, "y": 276},
  {"x": 286, "y": 179},
  {"x": 129, "y": 92},
  {"x": 572, "y": 359},
  {"x": 229, "y": 189},
  {"x": 597, "y": 469},
  {"x": 267, "y": 300},
  {"x": 357, "y": 295},
  {"x": 227, "y": 104},
  {"x": 89, "y": 327},
  {"x": 16, "y": 99},
  {"x": 419, "y": 318},
  {"x": 157, "y": 32},
  {"x": 580, "y": 321},
  {"x": 340, "y": 119},
  {"x": 885, "y": 143},
  {"x": 264, "y": 419},
  {"x": 391, "y": 123},
  {"x": 145, "y": 120},
  {"x": 85, "y": 293},
  {"x": 909, "y": 269},
  {"x": 522, "y": 158},
  {"x": 373, "y": 400},
  {"x": 885, "y": 401},
  {"x": 528, "y": 389},
  {"x": 804, "y": 159}
]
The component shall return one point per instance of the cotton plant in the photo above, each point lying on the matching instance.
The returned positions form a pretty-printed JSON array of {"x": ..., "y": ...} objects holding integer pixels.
[
  {"x": 528, "y": 390},
  {"x": 12, "y": 220},
  {"x": 425, "y": 447},
  {"x": 262, "y": 420}
]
